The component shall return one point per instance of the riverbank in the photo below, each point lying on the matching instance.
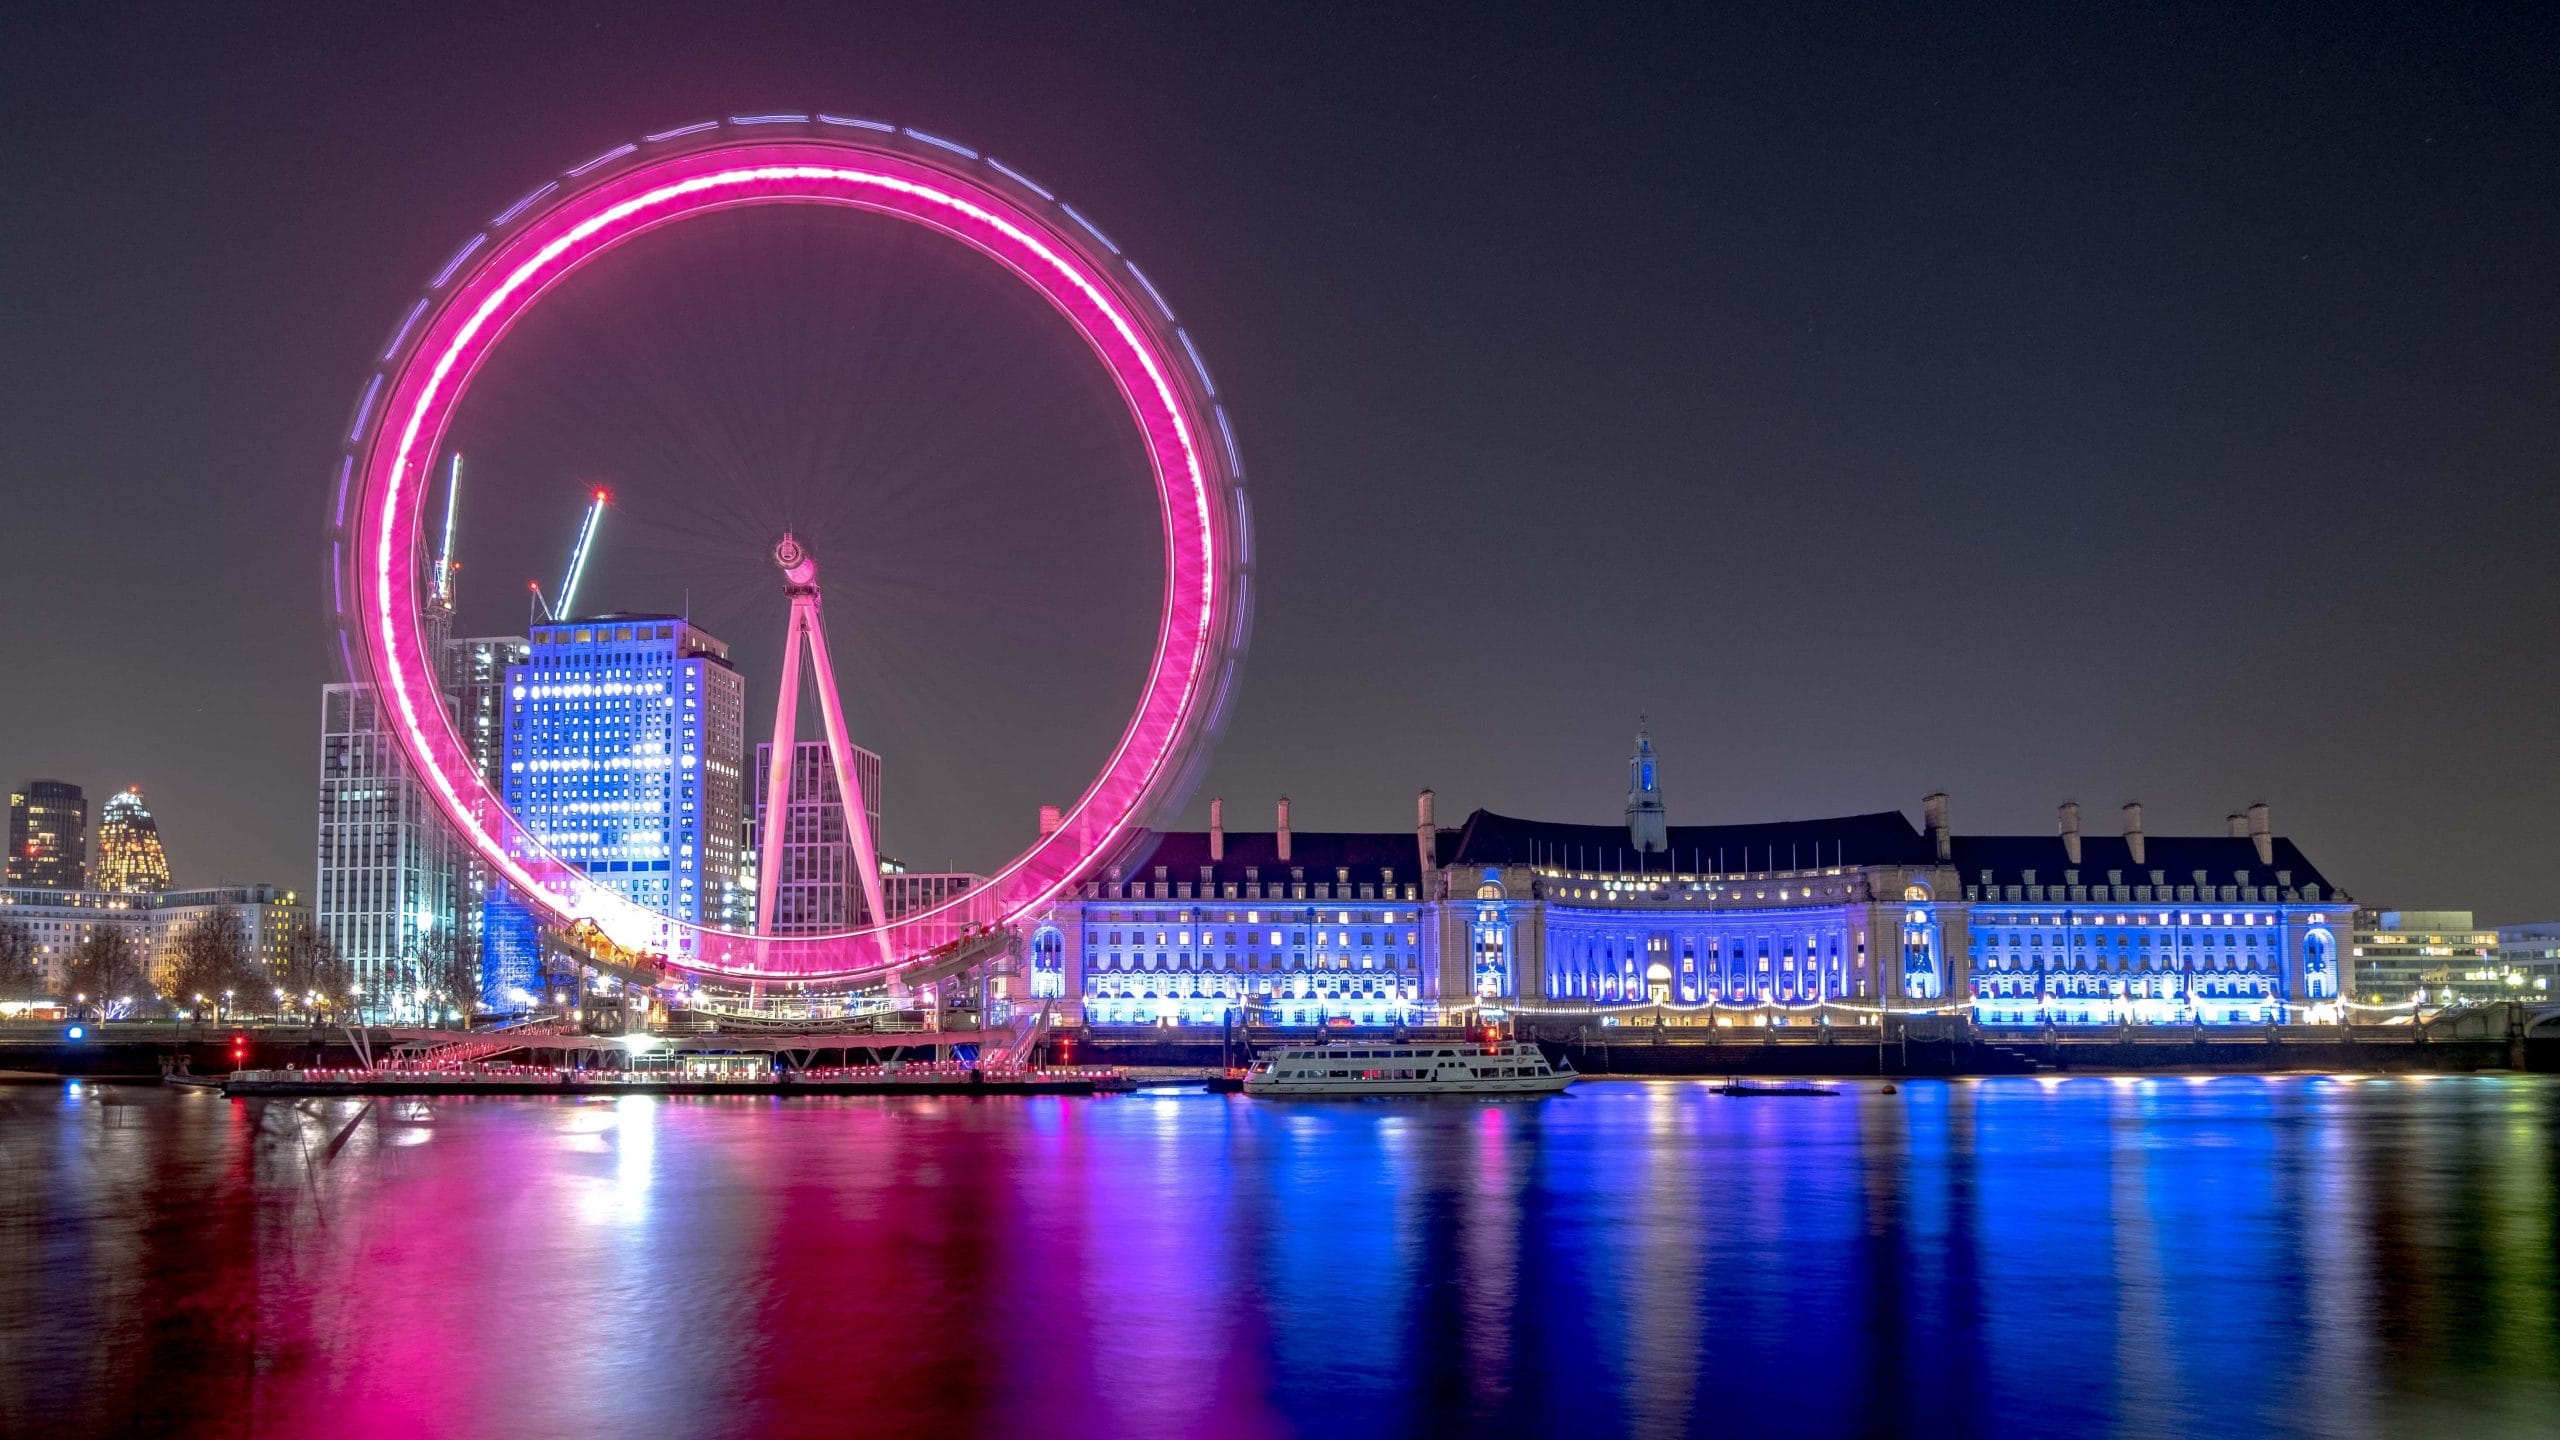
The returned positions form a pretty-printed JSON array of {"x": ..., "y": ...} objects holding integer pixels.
[
  {"x": 147, "y": 1051},
  {"x": 1945, "y": 1051}
]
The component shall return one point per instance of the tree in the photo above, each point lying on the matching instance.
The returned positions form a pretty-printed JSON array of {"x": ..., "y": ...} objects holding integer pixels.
[
  {"x": 212, "y": 964},
  {"x": 106, "y": 971},
  {"x": 22, "y": 975},
  {"x": 450, "y": 960},
  {"x": 315, "y": 976}
]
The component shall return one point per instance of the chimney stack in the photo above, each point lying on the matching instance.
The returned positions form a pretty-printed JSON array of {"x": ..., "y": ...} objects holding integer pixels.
[
  {"x": 2238, "y": 824},
  {"x": 1050, "y": 821},
  {"x": 2133, "y": 829},
  {"x": 1284, "y": 829},
  {"x": 1217, "y": 829},
  {"x": 2262, "y": 832},
  {"x": 1933, "y": 813},
  {"x": 2071, "y": 830}
]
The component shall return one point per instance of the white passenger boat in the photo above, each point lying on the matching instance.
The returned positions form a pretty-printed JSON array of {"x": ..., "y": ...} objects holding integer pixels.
[{"x": 1370, "y": 1067}]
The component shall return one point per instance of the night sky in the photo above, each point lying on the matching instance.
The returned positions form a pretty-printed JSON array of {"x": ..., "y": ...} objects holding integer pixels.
[{"x": 2035, "y": 403}]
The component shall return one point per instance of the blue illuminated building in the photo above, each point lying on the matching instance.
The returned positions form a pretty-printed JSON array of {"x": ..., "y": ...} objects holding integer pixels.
[
  {"x": 1794, "y": 922},
  {"x": 624, "y": 754}
]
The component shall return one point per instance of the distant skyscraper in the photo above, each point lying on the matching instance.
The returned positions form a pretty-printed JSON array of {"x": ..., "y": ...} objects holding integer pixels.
[
  {"x": 48, "y": 836},
  {"x": 816, "y": 893},
  {"x": 130, "y": 859},
  {"x": 624, "y": 755}
]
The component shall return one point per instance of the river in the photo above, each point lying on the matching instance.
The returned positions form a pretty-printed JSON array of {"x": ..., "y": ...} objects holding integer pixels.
[{"x": 2155, "y": 1256}]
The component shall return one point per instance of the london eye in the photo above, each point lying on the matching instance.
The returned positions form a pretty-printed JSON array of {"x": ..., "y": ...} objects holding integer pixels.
[{"x": 382, "y": 507}]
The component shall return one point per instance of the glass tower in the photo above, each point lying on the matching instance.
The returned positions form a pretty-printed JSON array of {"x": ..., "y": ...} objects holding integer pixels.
[
  {"x": 388, "y": 863},
  {"x": 624, "y": 755},
  {"x": 48, "y": 836},
  {"x": 130, "y": 859}
]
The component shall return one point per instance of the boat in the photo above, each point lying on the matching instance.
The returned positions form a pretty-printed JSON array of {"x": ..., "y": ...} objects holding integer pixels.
[
  {"x": 1378, "y": 1067},
  {"x": 1749, "y": 1087}
]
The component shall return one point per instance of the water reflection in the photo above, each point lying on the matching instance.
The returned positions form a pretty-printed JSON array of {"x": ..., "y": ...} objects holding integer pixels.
[{"x": 2070, "y": 1256}]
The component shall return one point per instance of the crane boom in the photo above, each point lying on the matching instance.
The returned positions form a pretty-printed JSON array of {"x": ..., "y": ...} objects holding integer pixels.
[
  {"x": 578, "y": 556},
  {"x": 444, "y": 552}
]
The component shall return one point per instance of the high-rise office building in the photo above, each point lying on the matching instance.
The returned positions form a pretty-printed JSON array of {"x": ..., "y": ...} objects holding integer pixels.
[
  {"x": 130, "y": 858},
  {"x": 816, "y": 892},
  {"x": 48, "y": 836},
  {"x": 624, "y": 753},
  {"x": 475, "y": 680},
  {"x": 388, "y": 862},
  {"x": 391, "y": 870}
]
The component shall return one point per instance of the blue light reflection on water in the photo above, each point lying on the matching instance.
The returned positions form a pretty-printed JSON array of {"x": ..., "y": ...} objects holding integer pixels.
[{"x": 2077, "y": 1257}]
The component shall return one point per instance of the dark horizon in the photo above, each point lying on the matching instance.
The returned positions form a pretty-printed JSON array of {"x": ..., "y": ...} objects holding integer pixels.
[{"x": 2028, "y": 406}]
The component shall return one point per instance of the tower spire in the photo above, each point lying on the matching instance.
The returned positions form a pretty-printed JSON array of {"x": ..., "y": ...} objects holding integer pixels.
[
  {"x": 800, "y": 583},
  {"x": 1647, "y": 830}
]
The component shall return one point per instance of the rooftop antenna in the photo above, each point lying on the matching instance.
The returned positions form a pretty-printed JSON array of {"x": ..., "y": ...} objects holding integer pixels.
[
  {"x": 444, "y": 552},
  {"x": 578, "y": 556}
]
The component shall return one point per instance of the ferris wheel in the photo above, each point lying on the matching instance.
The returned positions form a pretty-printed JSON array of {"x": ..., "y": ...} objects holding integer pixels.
[{"x": 380, "y": 507}]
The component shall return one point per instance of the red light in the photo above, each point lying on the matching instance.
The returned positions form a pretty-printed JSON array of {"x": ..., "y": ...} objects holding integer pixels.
[{"x": 602, "y": 495}]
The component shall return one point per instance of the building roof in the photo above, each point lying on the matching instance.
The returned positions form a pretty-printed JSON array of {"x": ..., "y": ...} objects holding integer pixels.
[
  {"x": 1885, "y": 837},
  {"x": 2225, "y": 859},
  {"x": 1882, "y": 838},
  {"x": 1317, "y": 852}
]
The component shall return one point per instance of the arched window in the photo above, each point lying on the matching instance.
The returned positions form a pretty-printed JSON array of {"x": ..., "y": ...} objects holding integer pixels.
[
  {"x": 1048, "y": 963},
  {"x": 2319, "y": 966},
  {"x": 1921, "y": 978}
]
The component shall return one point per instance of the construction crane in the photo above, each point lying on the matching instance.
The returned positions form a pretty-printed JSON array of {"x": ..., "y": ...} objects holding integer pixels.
[
  {"x": 444, "y": 551},
  {"x": 545, "y": 611}
]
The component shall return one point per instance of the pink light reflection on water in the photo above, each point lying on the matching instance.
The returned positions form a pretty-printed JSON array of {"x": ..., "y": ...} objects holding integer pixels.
[{"x": 1657, "y": 1259}]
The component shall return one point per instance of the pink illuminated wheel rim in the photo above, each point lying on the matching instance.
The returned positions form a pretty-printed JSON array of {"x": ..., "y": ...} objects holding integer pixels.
[{"x": 378, "y": 578}]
